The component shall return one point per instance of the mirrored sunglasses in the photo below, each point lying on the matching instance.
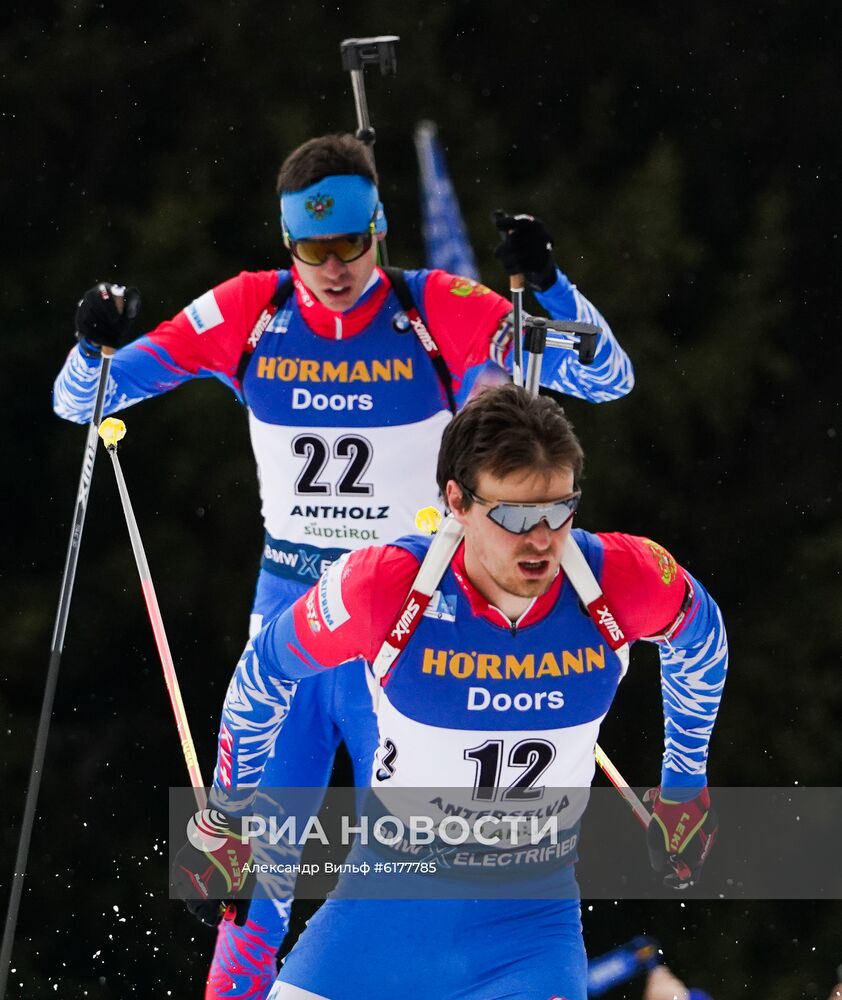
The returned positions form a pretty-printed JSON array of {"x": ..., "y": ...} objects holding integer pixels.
[
  {"x": 520, "y": 518},
  {"x": 316, "y": 251}
]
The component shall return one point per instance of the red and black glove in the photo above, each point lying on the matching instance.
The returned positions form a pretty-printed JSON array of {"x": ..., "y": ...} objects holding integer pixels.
[
  {"x": 210, "y": 871},
  {"x": 680, "y": 836}
]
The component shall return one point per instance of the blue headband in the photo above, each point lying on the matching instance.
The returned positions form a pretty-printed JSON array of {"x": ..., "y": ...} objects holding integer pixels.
[{"x": 341, "y": 203}]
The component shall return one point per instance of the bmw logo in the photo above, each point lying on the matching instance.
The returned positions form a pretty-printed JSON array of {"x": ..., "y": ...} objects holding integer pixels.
[{"x": 401, "y": 323}]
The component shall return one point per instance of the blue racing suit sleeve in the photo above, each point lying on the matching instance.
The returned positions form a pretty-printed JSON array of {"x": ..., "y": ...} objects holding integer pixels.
[
  {"x": 609, "y": 376},
  {"x": 693, "y": 668},
  {"x": 256, "y": 705},
  {"x": 489, "y": 333},
  {"x": 139, "y": 371}
]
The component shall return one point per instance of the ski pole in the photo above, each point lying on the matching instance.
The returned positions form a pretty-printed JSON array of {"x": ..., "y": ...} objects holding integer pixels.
[
  {"x": 516, "y": 286},
  {"x": 357, "y": 53},
  {"x": 619, "y": 782},
  {"x": 517, "y": 283},
  {"x": 534, "y": 342},
  {"x": 111, "y": 431},
  {"x": 639, "y": 955},
  {"x": 56, "y": 647}
]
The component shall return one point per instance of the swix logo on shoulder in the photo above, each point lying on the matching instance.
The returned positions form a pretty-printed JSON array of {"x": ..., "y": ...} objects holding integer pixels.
[
  {"x": 204, "y": 313},
  {"x": 606, "y": 622},
  {"x": 423, "y": 334},
  {"x": 403, "y": 629},
  {"x": 263, "y": 321}
]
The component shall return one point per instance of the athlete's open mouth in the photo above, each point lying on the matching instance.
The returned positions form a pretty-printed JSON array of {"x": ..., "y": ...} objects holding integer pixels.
[{"x": 533, "y": 567}]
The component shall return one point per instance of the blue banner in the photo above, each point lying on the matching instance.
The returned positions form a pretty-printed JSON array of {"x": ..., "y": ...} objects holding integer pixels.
[
  {"x": 445, "y": 240},
  {"x": 446, "y": 243}
]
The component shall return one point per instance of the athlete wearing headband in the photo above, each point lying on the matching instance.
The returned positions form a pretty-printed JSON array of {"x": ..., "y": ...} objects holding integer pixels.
[
  {"x": 330, "y": 228},
  {"x": 491, "y": 708},
  {"x": 346, "y": 409},
  {"x": 342, "y": 203}
]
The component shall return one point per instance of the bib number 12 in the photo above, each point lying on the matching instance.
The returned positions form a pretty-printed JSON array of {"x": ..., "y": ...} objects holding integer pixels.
[{"x": 533, "y": 756}]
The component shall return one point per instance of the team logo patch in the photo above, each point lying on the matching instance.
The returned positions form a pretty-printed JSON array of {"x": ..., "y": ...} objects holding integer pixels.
[
  {"x": 463, "y": 287},
  {"x": 204, "y": 313},
  {"x": 319, "y": 206},
  {"x": 279, "y": 323},
  {"x": 400, "y": 323},
  {"x": 331, "y": 606},
  {"x": 666, "y": 563},
  {"x": 442, "y": 607}
]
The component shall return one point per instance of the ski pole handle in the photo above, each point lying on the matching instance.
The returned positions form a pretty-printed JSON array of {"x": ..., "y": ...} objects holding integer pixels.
[{"x": 119, "y": 299}]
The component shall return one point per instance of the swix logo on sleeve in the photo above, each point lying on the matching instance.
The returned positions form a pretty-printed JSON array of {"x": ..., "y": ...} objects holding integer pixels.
[
  {"x": 204, "y": 313},
  {"x": 606, "y": 622}
]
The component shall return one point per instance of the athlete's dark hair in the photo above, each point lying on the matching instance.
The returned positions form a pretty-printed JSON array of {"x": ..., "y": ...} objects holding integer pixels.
[
  {"x": 323, "y": 157},
  {"x": 505, "y": 430}
]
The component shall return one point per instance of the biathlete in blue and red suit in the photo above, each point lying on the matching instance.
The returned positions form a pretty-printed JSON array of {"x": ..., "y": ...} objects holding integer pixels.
[
  {"x": 503, "y": 686},
  {"x": 347, "y": 372}
]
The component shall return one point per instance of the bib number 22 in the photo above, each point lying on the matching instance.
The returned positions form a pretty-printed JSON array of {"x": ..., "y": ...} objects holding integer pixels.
[{"x": 354, "y": 449}]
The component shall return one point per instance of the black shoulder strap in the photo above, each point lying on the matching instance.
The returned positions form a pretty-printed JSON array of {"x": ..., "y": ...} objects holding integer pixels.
[
  {"x": 422, "y": 332},
  {"x": 277, "y": 302},
  {"x": 283, "y": 292}
]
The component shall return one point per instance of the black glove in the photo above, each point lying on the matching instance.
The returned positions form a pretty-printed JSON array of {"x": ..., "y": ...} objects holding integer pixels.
[
  {"x": 680, "y": 836},
  {"x": 100, "y": 320},
  {"x": 525, "y": 248},
  {"x": 208, "y": 870}
]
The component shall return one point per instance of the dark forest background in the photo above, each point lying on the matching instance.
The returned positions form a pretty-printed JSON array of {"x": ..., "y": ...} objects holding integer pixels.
[{"x": 686, "y": 157}]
